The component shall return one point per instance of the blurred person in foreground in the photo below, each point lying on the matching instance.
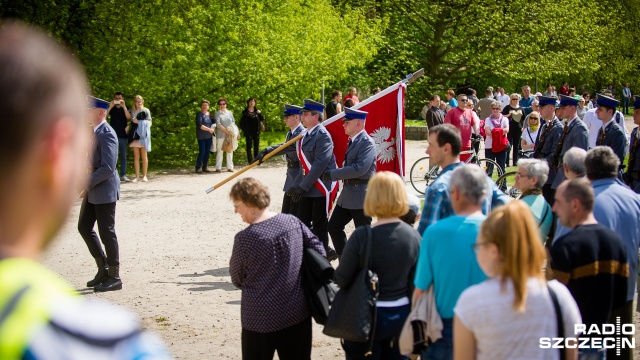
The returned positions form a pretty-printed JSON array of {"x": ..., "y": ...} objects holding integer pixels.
[
  {"x": 394, "y": 251},
  {"x": 505, "y": 316},
  {"x": 42, "y": 150},
  {"x": 274, "y": 312}
]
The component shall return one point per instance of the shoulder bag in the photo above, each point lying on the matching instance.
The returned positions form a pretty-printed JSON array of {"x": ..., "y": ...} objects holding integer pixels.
[{"x": 353, "y": 312}]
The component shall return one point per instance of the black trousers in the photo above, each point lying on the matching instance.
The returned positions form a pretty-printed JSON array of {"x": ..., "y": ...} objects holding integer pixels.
[
  {"x": 339, "y": 219},
  {"x": 548, "y": 193},
  {"x": 105, "y": 215},
  {"x": 253, "y": 141},
  {"x": 289, "y": 207},
  {"x": 292, "y": 343},
  {"x": 311, "y": 210},
  {"x": 626, "y": 317},
  {"x": 514, "y": 139}
]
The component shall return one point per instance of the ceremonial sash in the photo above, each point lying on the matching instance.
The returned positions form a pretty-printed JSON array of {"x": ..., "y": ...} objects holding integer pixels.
[{"x": 329, "y": 195}]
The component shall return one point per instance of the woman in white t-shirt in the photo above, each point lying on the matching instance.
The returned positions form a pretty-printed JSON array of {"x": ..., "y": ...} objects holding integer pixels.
[
  {"x": 528, "y": 138},
  {"x": 505, "y": 316},
  {"x": 495, "y": 120}
]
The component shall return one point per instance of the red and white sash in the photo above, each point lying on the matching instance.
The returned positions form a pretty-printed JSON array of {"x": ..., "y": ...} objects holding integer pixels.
[{"x": 330, "y": 195}]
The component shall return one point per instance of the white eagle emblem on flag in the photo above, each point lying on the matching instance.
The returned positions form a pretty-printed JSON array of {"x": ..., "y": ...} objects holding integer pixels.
[{"x": 384, "y": 151}]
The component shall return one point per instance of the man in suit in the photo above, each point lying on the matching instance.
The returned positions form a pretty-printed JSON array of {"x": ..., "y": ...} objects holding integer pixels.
[
  {"x": 315, "y": 151},
  {"x": 574, "y": 134},
  {"x": 294, "y": 174},
  {"x": 610, "y": 134},
  {"x": 632, "y": 176},
  {"x": 547, "y": 141},
  {"x": 99, "y": 203},
  {"x": 359, "y": 166}
]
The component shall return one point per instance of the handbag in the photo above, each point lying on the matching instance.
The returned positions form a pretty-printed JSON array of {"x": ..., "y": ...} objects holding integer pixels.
[
  {"x": 353, "y": 313},
  {"x": 227, "y": 145}
]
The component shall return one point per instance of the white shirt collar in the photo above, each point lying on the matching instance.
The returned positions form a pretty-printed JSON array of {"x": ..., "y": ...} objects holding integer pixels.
[
  {"x": 96, "y": 128},
  {"x": 358, "y": 134}
]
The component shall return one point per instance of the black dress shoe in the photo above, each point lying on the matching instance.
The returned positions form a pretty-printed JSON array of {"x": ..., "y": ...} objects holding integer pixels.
[
  {"x": 113, "y": 281},
  {"x": 102, "y": 274}
]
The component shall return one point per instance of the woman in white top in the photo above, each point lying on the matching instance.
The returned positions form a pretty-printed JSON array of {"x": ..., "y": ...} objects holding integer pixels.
[
  {"x": 141, "y": 136},
  {"x": 505, "y": 316},
  {"x": 495, "y": 120},
  {"x": 528, "y": 138},
  {"x": 224, "y": 119}
]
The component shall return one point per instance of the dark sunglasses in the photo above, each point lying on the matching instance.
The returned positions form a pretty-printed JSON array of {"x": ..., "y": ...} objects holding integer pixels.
[
  {"x": 463, "y": 100},
  {"x": 514, "y": 98},
  {"x": 534, "y": 118},
  {"x": 496, "y": 109},
  {"x": 220, "y": 104}
]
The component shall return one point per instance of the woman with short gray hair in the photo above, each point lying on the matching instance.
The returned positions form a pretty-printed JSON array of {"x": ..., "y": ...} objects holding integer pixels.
[{"x": 530, "y": 177}]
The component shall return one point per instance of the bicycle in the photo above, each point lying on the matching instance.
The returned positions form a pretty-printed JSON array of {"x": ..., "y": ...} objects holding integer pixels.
[
  {"x": 508, "y": 179},
  {"x": 422, "y": 174}
]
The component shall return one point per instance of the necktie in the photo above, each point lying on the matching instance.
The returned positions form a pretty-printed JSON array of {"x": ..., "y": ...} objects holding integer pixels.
[{"x": 601, "y": 137}]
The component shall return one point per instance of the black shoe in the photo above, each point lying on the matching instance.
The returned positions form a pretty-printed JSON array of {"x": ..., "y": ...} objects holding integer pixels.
[
  {"x": 198, "y": 171},
  {"x": 101, "y": 276},
  {"x": 113, "y": 281},
  {"x": 206, "y": 170},
  {"x": 332, "y": 255}
]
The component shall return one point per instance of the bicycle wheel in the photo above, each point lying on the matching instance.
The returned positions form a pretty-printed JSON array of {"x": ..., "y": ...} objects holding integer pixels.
[
  {"x": 491, "y": 167},
  {"x": 505, "y": 183},
  {"x": 422, "y": 174}
]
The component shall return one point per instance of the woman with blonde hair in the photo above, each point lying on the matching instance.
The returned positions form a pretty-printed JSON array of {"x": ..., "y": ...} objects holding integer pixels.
[
  {"x": 140, "y": 137},
  {"x": 505, "y": 316},
  {"x": 394, "y": 252}
]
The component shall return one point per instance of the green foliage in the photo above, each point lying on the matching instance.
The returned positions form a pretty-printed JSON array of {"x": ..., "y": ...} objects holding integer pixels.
[{"x": 176, "y": 53}]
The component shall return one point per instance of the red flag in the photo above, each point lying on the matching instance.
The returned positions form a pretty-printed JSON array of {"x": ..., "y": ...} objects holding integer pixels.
[{"x": 385, "y": 124}]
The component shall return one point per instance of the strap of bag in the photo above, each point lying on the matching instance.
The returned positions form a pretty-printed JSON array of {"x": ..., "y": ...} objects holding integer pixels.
[
  {"x": 368, "y": 253},
  {"x": 544, "y": 217},
  {"x": 559, "y": 321}
]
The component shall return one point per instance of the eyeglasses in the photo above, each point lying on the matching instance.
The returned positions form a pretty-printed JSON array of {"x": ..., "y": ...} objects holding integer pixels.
[
  {"x": 496, "y": 108},
  {"x": 519, "y": 175},
  {"x": 463, "y": 100},
  {"x": 533, "y": 118},
  {"x": 514, "y": 98},
  {"x": 476, "y": 246},
  {"x": 221, "y": 104}
]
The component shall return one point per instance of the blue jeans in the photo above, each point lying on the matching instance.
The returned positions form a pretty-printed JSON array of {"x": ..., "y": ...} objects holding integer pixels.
[
  {"x": 385, "y": 343},
  {"x": 203, "y": 153},
  {"x": 122, "y": 155},
  {"x": 625, "y": 104},
  {"x": 443, "y": 348}
]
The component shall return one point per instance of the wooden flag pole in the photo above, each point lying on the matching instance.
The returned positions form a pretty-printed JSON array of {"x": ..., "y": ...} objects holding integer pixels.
[{"x": 250, "y": 166}]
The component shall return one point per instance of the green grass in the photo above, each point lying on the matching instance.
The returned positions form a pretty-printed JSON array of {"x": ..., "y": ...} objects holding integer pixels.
[{"x": 415, "y": 123}]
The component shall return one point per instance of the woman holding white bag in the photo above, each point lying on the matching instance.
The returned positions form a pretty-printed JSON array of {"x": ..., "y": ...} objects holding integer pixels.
[{"x": 225, "y": 128}]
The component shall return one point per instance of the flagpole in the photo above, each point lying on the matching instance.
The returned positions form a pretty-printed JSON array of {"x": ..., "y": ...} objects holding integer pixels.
[
  {"x": 250, "y": 166},
  {"x": 407, "y": 80}
]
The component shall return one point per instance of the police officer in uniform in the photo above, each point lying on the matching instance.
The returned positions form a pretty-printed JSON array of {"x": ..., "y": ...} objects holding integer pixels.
[
  {"x": 99, "y": 203},
  {"x": 41, "y": 149},
  {"x": 294, "y": 170},
  {"x": 574, "y": 134},
  {"x": 610, "y": 134},
  {"x": 315, "y": 151},
  {"x": 547, "y": 141},
  {"x": 359, "y": 166},
  {"x": 632, "y": 175}
]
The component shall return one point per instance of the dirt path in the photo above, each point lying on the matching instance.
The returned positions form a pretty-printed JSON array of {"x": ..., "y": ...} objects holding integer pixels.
[{"x": 175, "y": 244}]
